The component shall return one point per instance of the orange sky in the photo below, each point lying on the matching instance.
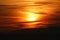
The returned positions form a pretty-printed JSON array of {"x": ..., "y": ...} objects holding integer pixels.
[
  {"x": 14, "y": 2},
  {"x": 45, "y": 9}
]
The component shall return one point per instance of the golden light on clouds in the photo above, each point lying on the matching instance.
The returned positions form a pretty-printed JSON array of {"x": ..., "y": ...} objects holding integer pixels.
[
  {"x": 32, "y": 16},
  {"x": 28, "y": 13},
  {"x": 28, "y": 16},
  {"x": 23, "y": 2}
]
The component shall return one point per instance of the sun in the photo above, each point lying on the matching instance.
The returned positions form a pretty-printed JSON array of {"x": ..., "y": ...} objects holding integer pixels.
[
  {"x": 32, "y": 19},
  {"x": 32, "y": 16}
]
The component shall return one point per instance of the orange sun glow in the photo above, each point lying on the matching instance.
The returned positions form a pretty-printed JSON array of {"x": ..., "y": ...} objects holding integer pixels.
[{"x": 32, "y": 16}]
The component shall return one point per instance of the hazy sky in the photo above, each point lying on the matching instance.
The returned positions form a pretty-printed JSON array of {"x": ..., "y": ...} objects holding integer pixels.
[{"x": 14, "y": 2}]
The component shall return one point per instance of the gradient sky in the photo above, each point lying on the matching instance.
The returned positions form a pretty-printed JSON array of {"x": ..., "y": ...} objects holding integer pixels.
[{"x": 14, "y": 2}]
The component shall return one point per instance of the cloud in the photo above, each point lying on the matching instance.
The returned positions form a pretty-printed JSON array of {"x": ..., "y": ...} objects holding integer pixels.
[{"x": 18, "y": 2}]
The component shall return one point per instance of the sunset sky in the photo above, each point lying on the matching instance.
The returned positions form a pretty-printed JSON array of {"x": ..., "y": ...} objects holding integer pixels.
[
  {"x": 28, "y": 10},
  {"x": 18, "y": 2}
]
